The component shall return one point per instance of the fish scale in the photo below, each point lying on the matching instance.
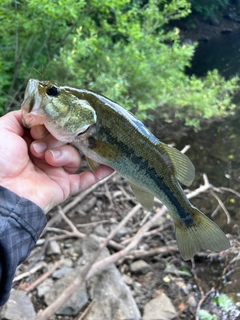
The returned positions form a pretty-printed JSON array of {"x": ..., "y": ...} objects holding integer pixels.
[{"x": 108, "y": 134}]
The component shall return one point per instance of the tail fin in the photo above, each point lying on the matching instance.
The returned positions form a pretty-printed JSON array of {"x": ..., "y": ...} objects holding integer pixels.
[{"x": 203, "y": 234}]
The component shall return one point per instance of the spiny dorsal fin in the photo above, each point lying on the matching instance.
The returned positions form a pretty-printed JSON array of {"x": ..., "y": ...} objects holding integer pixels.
[
  {"x": 146, "y": 199},
  {"x": 184, "y": 169}
]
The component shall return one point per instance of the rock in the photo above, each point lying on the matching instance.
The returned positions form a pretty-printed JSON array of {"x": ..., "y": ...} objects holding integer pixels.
[
  {"x": 77, "y": 300},
  {"x": 213, "y": 21},
  {"x": 128, "y": 280},
  {"x": 18, "y": 307},
  {"x": 191, "y": 301},
  {"x": 100, "y": 231},
  {"x": 44, "y": 287},
  {"x": 53, "y": 248},
  {"x": 113, "y": 298},
  {"x": 227, "y": 30},
  {"x": 67, "y": 263},
  {"x": 59, "y": 273},
  {"x": 88, "y": 205},
  {"x": 159, "y": 222},
  {"x": 122, "y": 232},
  {"x": 160, "y": 308},
  {"x": 140, "y": 267}
]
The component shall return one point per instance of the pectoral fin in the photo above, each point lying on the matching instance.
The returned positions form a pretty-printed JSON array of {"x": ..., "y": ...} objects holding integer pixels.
[
  {"x": 93, "y": 165},
  {"x": 183, "y": 167},
  {"x": 146, "y": 199}
]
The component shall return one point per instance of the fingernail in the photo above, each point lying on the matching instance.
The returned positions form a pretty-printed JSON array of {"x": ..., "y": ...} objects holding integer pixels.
[
  {"x": 39, "y": 147},
  {"x": 56, "y": 154}
]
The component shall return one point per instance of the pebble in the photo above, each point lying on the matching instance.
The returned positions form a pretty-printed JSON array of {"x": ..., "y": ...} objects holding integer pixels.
[
  {"x": 44, "y": 287},
  {"x": 160, "y": 308},
  {"x": 191, "y": 301},
  {"x": 75, "y": 303},
  {"x": 18, "y": 307},
  {"x": 59, "y": 273},
  {"x": 53, "y": 248},
  {"x": 100, "y": 231},
  {"x": 124, "y": 231},
  {"x": 112, "y": 297},
  {"x": 128, "y": 280},
  {"x": 140, "y": 267}
]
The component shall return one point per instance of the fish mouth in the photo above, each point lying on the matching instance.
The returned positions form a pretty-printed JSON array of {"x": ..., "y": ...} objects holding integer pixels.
[
  {"x": 84, "y": 131},
  {"x": 30, "y": 119}
]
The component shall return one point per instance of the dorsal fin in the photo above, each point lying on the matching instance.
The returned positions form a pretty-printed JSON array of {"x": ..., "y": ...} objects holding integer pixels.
[{"x": 183, "y": 167}]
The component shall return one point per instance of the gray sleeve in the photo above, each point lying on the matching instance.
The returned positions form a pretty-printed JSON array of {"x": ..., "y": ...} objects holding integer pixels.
[{"x": 21, "y": 224}]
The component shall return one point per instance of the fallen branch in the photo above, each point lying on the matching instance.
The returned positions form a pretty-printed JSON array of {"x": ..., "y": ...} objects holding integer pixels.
[
  {"x": 79, "y": 281},
  {"x": 94, "y": 267},
  {"x": 30, "y": 272},
  {"x": 43, "y": 277}
]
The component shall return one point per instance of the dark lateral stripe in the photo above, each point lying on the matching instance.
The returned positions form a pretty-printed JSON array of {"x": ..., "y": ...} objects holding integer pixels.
[{"x": 150, "y": 172}]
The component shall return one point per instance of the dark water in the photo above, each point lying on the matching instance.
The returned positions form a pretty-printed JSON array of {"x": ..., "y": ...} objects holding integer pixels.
[
  {"x": 222, "y": 53},
  {"x": 215, "y": 150}
]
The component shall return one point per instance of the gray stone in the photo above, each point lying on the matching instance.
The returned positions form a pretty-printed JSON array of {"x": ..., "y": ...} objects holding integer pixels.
[
  {"x": 44, "y": 287},
  {"x": 67, "y": 263},
  {"x": 112, "y": 297},
  {"x": 100, "y": 231},
  {"x": 140, "y": 267},
  {"x": 76, "y": 301},
  {"x": 53, "y": 248},
  {"x": 122, "y": 232},
  {"x": 128, "y": 280},
  {"x": 18, "y": 307},
  {"x": 160, "y": 308},
  {"x": 59, "y": 273}
]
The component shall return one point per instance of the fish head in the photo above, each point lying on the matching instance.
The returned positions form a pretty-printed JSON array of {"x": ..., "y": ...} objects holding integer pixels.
[{"x": 58, "y": 108}]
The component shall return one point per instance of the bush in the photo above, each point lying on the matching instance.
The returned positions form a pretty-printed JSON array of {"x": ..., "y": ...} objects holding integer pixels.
[{"x": 122, "y": 49}]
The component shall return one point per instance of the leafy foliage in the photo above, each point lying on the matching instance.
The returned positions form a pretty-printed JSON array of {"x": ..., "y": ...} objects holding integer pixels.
[
  {"x": 205, "y": 315},
  {"x": 122, "y": 49},
  {"x": 208, "y": 8},
  {"x": 224, "y": 302}
]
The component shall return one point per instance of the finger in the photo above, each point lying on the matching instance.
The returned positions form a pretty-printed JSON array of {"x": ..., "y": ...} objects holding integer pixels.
[
  {"x": 39, "y": 147},
  {"x": 39, "y": 132},
  {"x": 65, "y": 156},
  {"x": 86, "y": 179},
  {"x": 12, "y": 121}
]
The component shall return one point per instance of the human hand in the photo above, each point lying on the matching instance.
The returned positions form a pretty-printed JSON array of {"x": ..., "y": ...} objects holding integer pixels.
[{"x": 38, "y": 167}]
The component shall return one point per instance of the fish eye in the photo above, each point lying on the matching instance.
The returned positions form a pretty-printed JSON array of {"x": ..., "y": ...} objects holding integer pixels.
[{"x": 52, "y": 91}]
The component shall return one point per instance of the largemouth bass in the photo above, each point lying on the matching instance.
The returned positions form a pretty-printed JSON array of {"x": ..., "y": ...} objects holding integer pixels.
[{"x": 108, "y": 134}]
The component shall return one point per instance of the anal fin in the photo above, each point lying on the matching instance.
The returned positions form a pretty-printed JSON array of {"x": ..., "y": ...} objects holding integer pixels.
[{"x": 146, "y": 199}]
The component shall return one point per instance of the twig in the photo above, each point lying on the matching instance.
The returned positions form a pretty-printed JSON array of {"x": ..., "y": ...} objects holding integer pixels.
[
  {"x": 69, "y": 222},
  {"x": 89, "y": 307},
  {"x": 30, "y": 272},
  {"x": 139, "y": 254},
  {"x": 49, "y": 311},
  {"x": 230, "y": 190},
  {"x": 43, "y": 277},
  {"x": 96, "y": 223},
  {"x": 98, "y": 266},
  {"x": 201, "y": 302},
  {"x": 82, "y": 195},
  {"x": 222, "y": 206}
]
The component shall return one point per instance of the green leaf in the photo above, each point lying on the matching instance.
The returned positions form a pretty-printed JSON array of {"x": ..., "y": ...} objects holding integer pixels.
[
  {"x": 224, "y": 302},
  {"x": 205, "y": 315}
]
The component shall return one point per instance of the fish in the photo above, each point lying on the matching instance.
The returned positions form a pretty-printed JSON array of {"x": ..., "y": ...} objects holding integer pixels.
[{"x": 106, "y": 133}]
